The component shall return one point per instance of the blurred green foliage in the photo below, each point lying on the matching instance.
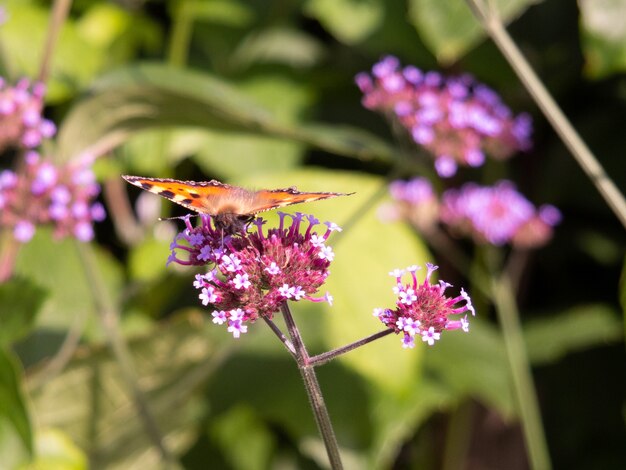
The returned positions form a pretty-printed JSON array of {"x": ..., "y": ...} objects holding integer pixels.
[{"x": 260, "y": 93}]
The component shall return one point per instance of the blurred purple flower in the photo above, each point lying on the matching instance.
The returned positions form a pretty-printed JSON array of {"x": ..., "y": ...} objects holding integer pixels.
[
  {"x": 413, "y": 200},
  {"x": 456, "y": 118},
  {"x": 46, "y": 194},
  {"x": 498, "y": 214},
  {"x": 21, "y": 122}
]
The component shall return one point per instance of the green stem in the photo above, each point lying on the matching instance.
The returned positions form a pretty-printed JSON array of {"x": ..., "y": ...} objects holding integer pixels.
[
  {"x": 180, "y": 36},
  {"x": 56, "y": 364},
  {"x": 493, "y": 25},
  {"x": 330, "y": 355},
  {"x": 9, "y": 248},
  {"x": 314, "y": 391},
  {"x": 458, "y": 436},
  {"x": 508, "y": 315},
  {"x": 501, "y": 294},
  {"x": 109, "y": 319},
  {"x": 60, "y": 10}
]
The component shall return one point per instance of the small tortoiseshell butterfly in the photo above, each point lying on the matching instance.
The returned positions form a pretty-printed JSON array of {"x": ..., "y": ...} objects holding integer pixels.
[{"x": 231, "y": 206}]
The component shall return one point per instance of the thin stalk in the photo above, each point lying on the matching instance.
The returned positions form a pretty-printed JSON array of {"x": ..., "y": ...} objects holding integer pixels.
[
  {"x": 180, "y": 36},
  {"x": 314, "y": 391},
  {"x": 283, "y": 339},
  {"x": 108, "y": 316},
  {"x": 63, "y": 356},
  {"x": 124, "y": 221},
  {"x": 60, "y": 10},
  {"x": 330, "y": 355},
  {"x": 458, "y": 436},
  {"x": 9, "y": 248},
  {"x": 501, "y": 294},
  {"x": 445, "y": 246},
  {"x": 508, "y": 316},
  {"x": 493, "y": 25}
]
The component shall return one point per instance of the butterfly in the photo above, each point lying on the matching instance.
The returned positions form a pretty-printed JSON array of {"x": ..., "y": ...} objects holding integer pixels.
[{"x": 230, "y": 206}]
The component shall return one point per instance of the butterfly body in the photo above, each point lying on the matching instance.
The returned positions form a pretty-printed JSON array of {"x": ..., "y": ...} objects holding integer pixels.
[{"x": 231, "y": 206}]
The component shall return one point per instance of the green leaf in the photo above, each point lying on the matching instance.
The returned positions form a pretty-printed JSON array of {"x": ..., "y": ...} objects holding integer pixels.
[
  {"x": 603, "y": 36},
  {"x": 250, "y": 379},
  {"x": 147, "y": 260},
  {"x": 550, "y": 339},
  {"x": 280, "y": 45},
  {"x": 105, "y": 35},
  {"x": 56, "y": 451},
  {"x": 350, "y": 21},
  {"x": 345, "y": 140},
  {"x": 118, "y": 33},
  {"x": 91, "y": 403},
  {"x": 240, "y": 428},
  {"x": 227, "y": 12},
  {"x": 152, "y": 152},
  {"x": 474, "y": 364},
  {"x": 226, "y": 154},
  {"x": 20, "y": 302},
  {"x": 56, "y": 266},
  {"x": 16, "y": 438},
  {"x": 75, "y": 62},
  {"x": 104, "y": 23},
  {"x": 395, "y": 418},
  {"x": 151, "y": 96},
  {"x": 450, "y": 29}
]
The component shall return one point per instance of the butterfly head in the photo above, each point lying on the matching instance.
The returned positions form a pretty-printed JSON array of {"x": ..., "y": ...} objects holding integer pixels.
[{"x": 231, "y": 223}]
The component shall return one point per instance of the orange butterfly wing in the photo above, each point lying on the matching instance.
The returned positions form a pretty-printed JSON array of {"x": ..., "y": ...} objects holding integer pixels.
[
  {"x": 216, "y": 198},
  {"x": 268, "y": 199},
  {"x": 204, "y": 197}
]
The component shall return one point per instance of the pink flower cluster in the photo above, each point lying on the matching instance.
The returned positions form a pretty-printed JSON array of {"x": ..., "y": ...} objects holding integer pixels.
[
  {"x": 45, "y": 194},
  {"x": 21, "y": 122},
  {"x": 252, "y": 274},
  {"x": 497, "y": 214},
  {"x": 456, "y": 119},
  {"x": 422, "y": 310}
]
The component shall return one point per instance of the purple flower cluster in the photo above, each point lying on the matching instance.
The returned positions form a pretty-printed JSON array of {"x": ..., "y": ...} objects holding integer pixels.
[
  {"x": 414, "y": 201},
  {"x": 252, "y": 274},
  {"x": 45, "y": 194},
  {"x": 496, "y": 214},
  {"x": 21, "y": 122},
  {"x": 423, "y": 310},
  {"x": 458, "y": 119}
]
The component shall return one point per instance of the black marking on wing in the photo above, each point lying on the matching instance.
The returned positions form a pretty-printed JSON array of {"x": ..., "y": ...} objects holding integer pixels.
[{"x": 167, "y": 193}]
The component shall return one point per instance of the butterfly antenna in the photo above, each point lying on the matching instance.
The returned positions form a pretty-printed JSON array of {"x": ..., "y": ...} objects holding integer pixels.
[{"x": 180, "y": 217}]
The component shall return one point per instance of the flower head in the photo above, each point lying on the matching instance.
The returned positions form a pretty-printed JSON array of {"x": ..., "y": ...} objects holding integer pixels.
[
  {"x": 413, "y": 200},
  {"x": 45, "y": 194},
  {"x": 498, "y": 214},
  {"x": 21, "y": 122},
  {"x": 458, "y": 119},
  {"x": 253, "y": 273},
  {"x": 423, "y": 310}
]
